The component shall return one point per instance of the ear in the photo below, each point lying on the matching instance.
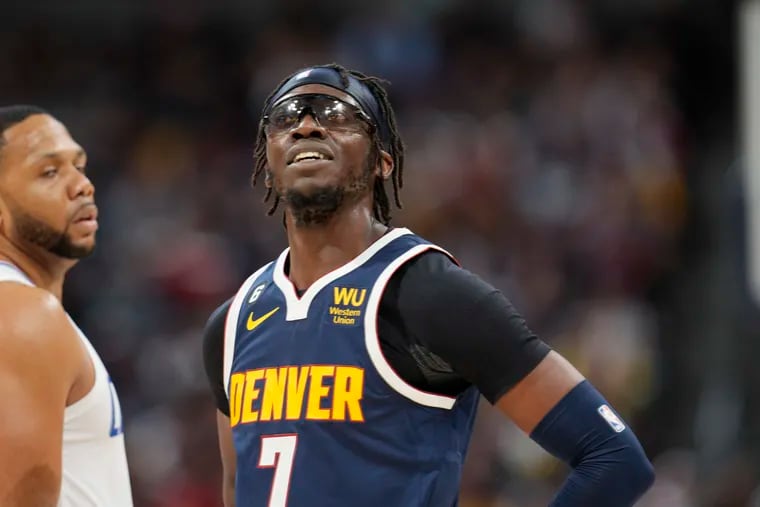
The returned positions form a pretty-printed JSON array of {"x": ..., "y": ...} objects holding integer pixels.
[
  {"x": 384, "y": 167},
  {"x": 267, "y": 178}
]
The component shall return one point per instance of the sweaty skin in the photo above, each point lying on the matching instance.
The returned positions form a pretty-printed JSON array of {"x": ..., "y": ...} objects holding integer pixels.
[
  {"x": 44, "y": 365},
  {"x": 317, "y": 250}
]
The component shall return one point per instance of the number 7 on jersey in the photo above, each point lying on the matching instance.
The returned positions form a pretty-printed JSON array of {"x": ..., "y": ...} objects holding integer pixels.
[{"x": 278, "y": 451}]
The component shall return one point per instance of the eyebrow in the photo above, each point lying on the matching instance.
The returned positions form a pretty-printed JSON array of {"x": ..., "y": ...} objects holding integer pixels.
[{"x": 56, "y": 154}]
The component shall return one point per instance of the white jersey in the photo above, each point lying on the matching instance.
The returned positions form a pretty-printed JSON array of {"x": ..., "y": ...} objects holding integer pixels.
[{"x": 95, "y": 472}]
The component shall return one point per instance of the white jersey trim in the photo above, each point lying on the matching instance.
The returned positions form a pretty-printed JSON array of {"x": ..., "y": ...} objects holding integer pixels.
[
  {"x": 11, "y": 273},
  {"x": 94, "y": 469},
  {"x": 82, "y": 404},
  {"x": 298, "y": 308},
  {"x": 372, "y": 340},
  {"x": 230, "y": 326}
]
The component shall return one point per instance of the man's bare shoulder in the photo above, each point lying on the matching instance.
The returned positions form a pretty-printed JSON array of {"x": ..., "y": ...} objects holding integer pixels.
[{"x": 32, "y": 321}]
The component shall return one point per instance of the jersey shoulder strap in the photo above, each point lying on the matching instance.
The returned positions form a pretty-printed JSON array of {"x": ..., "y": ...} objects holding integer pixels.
[{"x": 230, "y": 325}]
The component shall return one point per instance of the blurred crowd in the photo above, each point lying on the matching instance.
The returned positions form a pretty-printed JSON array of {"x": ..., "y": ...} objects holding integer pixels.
[{"x": 545, "y": 149}]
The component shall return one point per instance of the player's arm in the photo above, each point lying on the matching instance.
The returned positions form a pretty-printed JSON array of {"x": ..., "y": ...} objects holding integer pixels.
[
  {"x": 37, "y": 370},
  {"x": 213, "y": 354},
  {"x": 534, "y": 386},
  {"x": 568, "y": 417},
  {"x": 229, "y": 459}
]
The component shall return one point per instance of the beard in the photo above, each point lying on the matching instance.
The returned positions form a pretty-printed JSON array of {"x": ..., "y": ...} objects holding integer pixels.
[
  {"x": 320, "y": 205},
  {"x": 39, "y": 233}
]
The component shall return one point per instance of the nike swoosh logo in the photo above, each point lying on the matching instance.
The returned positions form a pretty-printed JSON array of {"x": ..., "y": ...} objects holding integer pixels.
[{"x": 254, "y": 323}]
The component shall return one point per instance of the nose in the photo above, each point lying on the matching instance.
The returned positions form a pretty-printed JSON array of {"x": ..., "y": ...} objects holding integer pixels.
[
  {"x": 81, "y": 186},
  {"x": 308, "y": 127}
]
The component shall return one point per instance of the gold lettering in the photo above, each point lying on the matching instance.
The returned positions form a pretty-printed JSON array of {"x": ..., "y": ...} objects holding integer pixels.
[
  {"x": 297, "y": 377},
  {"x": 237, "y": 380},
  {"x": 286, "y": 389},
  {"x": 274, "y": 394},
  {"x": 348, "y": 391},
  {"x": 317, "y": 391},
  {"x": 251, "y": 395},
  {"x": 342, "y": 295},
  {"x": 344, "y": 312},
  {"x": 358, "y": 301}
]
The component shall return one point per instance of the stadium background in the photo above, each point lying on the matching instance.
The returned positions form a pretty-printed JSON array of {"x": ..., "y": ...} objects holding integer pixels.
[{"x": 581, "y": 155}]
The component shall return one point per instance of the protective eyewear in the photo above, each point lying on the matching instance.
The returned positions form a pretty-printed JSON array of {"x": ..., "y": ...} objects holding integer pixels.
[{"x": 329, "y": 112}]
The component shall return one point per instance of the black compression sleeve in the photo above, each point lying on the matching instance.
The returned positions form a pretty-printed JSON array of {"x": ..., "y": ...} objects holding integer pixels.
[
  {"x": 213, "y": 355},
  {"x": 468, "y": 323}
]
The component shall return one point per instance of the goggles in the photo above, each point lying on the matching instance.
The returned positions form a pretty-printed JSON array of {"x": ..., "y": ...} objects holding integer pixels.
[{"x": 329, "y": 112}]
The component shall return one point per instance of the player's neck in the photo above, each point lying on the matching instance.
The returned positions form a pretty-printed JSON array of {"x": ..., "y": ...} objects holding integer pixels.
[
  {"x": 315, "y": 250},
  {"x": 45, "y": 270}
]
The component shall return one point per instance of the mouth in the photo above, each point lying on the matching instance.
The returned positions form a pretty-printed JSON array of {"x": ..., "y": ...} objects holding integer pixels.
[
  {"x": 87, "y": 216},
  {"x": 309, "y": 155}
]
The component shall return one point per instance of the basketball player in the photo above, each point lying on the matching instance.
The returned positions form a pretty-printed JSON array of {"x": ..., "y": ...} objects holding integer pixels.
[
  {"x": 61, "y": 440},
  {"x": 348, "y": 370}
]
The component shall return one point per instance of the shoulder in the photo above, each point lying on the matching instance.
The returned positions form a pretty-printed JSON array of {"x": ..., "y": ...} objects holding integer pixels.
[
  {"x": 435, "y": 272},
  {"x": 213, "y": 337},
  {"x": 25, "y": 309},
  {"x": 432, "y": 290},
  {"x": 35, "y": 328},
  {"x": 213, "y": 354},
  {"x": 214, "y": 329}
]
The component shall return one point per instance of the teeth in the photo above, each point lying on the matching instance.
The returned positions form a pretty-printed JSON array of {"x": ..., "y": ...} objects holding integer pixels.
[{"x": 307, "y": 155}]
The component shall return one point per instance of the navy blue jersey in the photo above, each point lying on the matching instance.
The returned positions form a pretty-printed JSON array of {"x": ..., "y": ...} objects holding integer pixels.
[{"x": 319, "y": 418}]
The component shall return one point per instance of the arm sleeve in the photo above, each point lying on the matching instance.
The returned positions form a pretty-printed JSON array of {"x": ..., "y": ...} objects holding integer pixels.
[
  {"x": 467, "y": 323},
  {"x": 609, "y": 465},
  {"x": 213, "y": 354}
]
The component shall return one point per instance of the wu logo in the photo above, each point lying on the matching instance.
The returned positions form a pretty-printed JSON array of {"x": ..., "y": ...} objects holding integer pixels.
[
  {"x": 117, "y": 427},
  {"x": 343, "y": 296}
]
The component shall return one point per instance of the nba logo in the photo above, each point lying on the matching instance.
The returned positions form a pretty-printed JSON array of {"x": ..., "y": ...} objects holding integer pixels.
[{"x": 613, "y": 420}]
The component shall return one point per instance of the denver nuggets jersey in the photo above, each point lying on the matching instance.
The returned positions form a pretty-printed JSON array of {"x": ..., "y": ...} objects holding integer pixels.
[
  {"x": 94, "y": 469},
  {"x": 319, "y": 417}
]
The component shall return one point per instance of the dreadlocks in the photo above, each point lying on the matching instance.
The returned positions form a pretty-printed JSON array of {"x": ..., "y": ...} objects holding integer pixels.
[{"x": 381, "y": 206}]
